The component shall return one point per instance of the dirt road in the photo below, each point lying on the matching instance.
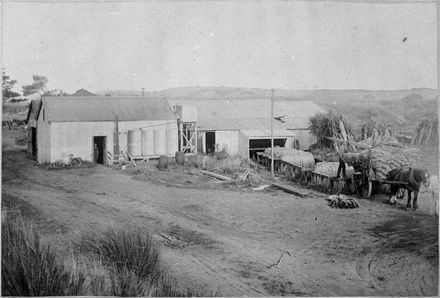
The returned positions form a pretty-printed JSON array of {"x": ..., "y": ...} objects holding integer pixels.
[{"x": 229, "y": 240}]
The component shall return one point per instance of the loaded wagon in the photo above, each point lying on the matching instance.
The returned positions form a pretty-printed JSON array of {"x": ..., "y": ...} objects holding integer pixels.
[
  {"x": 366, "y": 170},
  {"x": 301, "y": 167},
  {"x": 373, "y": 165}
]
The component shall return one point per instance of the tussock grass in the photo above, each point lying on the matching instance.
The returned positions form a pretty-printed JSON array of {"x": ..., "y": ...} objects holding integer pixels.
[
  {"x": 113, "y": 262},
  {"x": 131, "y": 260},
  {"x": 30, "y": 268},
  {"x": 125, "y": 250}
]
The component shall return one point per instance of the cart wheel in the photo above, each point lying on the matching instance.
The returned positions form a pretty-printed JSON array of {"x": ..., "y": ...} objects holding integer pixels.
[
  {"x": 351, "y": 185},
  {"x": 367, "y": 189},
  {"x": 357, "y": 185}
]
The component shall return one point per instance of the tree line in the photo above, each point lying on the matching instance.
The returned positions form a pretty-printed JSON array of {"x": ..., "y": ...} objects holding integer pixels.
[{"x": 39, "y": 86}]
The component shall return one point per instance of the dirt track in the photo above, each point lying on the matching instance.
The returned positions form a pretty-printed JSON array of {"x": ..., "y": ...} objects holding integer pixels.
[{"x": 228, "y": 239}]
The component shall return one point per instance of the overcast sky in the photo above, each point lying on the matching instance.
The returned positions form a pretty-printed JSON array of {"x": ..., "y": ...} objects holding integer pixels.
[{"x": 264, "y": 44}]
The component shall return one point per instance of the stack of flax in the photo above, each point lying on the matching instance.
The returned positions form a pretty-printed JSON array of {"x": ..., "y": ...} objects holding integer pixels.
[{"x": 382, "y": 159}]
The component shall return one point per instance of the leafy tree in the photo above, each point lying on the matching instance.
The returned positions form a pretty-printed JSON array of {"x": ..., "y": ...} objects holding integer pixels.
[
  {"x": 7, "y": 85},
  {"x": 38, "y": 86}
]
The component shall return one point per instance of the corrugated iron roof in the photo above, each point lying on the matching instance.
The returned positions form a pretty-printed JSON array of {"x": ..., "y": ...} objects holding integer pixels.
[
  {"x": 246, "y": 113},
  {"x": 105, "y": 108}
]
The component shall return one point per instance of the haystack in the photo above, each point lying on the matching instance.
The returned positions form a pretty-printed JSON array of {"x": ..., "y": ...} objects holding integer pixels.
[{"x": 426, "y": 133}]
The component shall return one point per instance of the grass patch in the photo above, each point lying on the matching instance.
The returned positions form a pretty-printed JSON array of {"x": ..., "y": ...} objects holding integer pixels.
[
  {"x": 21, "y": 140},
  {"x": 30, "y": 268},
  {"x": 125, "y": 250},
  {"x": 106, "y": 263}
]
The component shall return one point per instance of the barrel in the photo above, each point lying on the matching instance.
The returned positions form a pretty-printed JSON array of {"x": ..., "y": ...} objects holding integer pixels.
[
  {"x": 160, "y": 141},
  {"x": 147, "y": 147},
  {"x": 134, "y": 142},
  {"x": 172, "y": 141},
  {"x": 163, "y": 162},
  {"x": 180, "y": 158}
]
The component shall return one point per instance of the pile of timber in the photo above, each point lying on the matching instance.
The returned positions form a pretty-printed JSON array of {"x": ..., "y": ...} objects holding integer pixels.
[{"x": 426, "y": 133}]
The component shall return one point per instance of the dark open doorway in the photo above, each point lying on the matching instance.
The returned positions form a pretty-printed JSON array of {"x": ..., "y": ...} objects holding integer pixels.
[
  {"x": 258, "y": 145},
  {"x": 210, "y": 141},
  {"x": 99, "y": 152},
  {"x": 34, "y": 141}
]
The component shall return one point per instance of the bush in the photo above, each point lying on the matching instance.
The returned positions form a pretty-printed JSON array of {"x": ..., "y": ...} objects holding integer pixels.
[{"x": 29, "y": 268}]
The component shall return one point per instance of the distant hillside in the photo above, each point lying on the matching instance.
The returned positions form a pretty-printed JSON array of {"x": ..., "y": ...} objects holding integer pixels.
[
  {"x": 246, "y": 93},
  {"x": 316, "y": 95}
]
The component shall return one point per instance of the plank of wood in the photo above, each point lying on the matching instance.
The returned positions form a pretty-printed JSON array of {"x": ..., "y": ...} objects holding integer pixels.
[
  {"x": 218, "y": 176},
  {"x": 293, "y": 190},
  {"x": 131, "y": 158}
]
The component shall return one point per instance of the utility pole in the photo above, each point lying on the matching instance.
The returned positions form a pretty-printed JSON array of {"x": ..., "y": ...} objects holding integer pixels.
[
  {"x": 271, "y": 134},
  {"x": 143, "y": 93},
  {"x": 116, "y": 152}
]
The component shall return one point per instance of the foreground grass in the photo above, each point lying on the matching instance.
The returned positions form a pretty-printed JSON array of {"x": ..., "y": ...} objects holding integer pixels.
[
  {"x": 104, "y": 263},
  {"x": 31, "y": 269}
]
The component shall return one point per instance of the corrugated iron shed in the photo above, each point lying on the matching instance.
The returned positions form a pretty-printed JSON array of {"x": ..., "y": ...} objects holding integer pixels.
[{"x": 104, "y": 108}]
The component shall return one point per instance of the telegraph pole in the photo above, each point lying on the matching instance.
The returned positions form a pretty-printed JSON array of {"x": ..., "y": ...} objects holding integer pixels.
[{"x": 271, "y": 134}]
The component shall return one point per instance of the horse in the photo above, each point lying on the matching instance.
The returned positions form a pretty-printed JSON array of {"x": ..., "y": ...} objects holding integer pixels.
[{"x": 411, "y": 179}]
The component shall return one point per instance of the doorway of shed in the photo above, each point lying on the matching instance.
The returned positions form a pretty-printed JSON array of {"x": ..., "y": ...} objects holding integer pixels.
[
  {"x": 210, "y": 142},
  {"x": 34, "y": 142},
  {"x": 258, "y": 145},
  {"x": 100, "y": 142}
]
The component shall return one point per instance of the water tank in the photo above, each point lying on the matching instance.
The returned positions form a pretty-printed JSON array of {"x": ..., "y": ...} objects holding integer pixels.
[
  {"x": 160, "y": 141},
  {"x": 172, "y": 141},
  {"x": 147, "y": 142},
  {"x": 134, "y": 142}
]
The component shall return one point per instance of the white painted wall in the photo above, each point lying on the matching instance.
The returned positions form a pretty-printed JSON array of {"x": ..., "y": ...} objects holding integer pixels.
[
  {"x": 305, "y": 139},
  {"x": 243, "y": 143},
  {"x": 228, "y": 140},
  {"x": 77, "y": 137}
]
